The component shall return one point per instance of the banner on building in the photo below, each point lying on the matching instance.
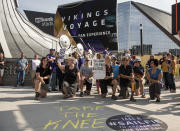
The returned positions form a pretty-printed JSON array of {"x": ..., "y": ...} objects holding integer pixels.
[
  {"x": 93, "y": 21},
  {"x": 43, "y": 21}
]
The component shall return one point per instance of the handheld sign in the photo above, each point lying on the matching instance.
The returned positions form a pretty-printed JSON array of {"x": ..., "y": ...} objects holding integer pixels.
[
  {"x": 61, "y": 55},
  {"x": 99, "y": 69}
]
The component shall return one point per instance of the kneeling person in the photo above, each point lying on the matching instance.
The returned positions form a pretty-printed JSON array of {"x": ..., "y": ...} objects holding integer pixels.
[
  {"x": 86, "y": 74},
  {"x": 71, "y": 75},
  {"x": 108, "y": 80},
  {"x": 43, "y": 74}
]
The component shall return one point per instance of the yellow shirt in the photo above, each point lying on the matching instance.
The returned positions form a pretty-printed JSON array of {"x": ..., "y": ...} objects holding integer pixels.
[
  {"x": 173, "y": 64},
  {"x": 164, "y": 66}
]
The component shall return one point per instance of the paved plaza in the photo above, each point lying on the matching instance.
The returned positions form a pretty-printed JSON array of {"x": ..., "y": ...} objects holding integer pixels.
[{"x": 19, "y": 112}]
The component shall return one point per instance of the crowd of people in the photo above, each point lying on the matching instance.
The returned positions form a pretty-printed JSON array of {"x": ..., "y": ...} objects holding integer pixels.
[{"x": 75, "y": 73}]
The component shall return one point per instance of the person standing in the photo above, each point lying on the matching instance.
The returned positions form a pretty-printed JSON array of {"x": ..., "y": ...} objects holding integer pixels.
[
  {"x": 35, "y": 63},
  {"x": 154, "y": 76},
  {"x": 86, "y": 74},
  {"x": 172, "y": 85},
  {"x": 53, "y": 66},
  {"x": 165, "y": 70},
  {"x": 2, "y": 65},
  {"x": 21, "y": 66},
  {"x": 43, "y": 74}
]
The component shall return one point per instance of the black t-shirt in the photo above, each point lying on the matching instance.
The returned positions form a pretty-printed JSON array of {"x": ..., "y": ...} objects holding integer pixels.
[
  {"x": 44, "y": 72},
  {"x": 138, "y": 71},
  {"x": 71, "y": 74},
  {"x": 2, "y": 60},
  {"x": 125, "y": 71},
  {"x": 109, "y": 70}
]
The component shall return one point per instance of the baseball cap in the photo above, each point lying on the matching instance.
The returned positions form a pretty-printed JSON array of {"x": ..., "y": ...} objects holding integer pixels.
[{"x": 52, "y": 49}]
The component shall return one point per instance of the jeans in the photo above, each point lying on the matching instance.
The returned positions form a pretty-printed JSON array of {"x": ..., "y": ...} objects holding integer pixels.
[
  {"x": 60, "y": 77},
  {"x": 53, "y": 81},
  {"x": 165, "y": 78},
  {"x": 20, "y": 73},
  {"x": 172, "y": 85}
]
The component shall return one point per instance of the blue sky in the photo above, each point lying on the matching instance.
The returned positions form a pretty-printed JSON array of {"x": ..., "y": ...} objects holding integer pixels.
[{"x": 51, "y": 5}]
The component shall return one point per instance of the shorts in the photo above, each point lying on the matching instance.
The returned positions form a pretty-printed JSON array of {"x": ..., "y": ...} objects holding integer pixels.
[
  {"x": 33, "y": 74},
  {"x": 137, "y": 84},
  {"x": 88, "y": 85},
  {"x": 1, "y": 72},
  {"x": 71, "y": 88},
  {"x": 44, "y": 87}
]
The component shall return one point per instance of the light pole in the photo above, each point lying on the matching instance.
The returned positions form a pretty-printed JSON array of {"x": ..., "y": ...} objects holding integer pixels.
[{"x": 141, "y": 39}]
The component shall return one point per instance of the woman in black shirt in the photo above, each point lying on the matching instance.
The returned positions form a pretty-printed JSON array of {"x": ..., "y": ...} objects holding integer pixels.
[
  {"x": 108, "y": 80},
  {"x": 71, "y": 75},
  {"x": 1, "y": 67},
  {"x": 43, "y": 73}
]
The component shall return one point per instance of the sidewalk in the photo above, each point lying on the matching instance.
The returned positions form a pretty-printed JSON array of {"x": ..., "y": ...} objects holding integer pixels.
[{"x": 19, "y": 112}]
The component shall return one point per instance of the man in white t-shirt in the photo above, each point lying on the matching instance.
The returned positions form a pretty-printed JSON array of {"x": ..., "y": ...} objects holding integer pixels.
[{"x": 35, "y": 63}]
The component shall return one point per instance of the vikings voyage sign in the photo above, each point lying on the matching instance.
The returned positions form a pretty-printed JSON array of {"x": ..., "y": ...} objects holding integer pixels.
[{"x": 93, "y": 21}]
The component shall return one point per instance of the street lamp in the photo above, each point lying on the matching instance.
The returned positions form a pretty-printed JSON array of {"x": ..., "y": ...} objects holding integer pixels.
[{"x": 141, "y": 39}]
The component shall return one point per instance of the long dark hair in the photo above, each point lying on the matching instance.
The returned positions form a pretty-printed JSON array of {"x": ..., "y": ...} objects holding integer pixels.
[{"x": 41, "y": 64}]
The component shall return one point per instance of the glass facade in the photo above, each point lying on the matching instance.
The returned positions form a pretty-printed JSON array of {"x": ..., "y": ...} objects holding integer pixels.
[{"x": 129, "y": 19}]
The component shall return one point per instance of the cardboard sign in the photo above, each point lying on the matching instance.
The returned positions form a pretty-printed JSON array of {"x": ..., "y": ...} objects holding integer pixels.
[
  {"x": 99, "y": 69},
  {"x": 61, "y": 55}
]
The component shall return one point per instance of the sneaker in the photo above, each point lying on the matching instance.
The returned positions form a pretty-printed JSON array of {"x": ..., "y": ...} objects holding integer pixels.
[
  {"x": 54, "y": 90},
  {"x": 49, "y": 90},
  {"x": 81, "y": 94},
  {"x": 132, "y": 99},
  {"x": 113, "y": 97},
  {"x": 166, "y": 89},
  {"x": 37, "y": 96},
  {"x": 158, "y": 100},
  {"x": 172, "y": 91},
  {"x": 143, "y": 96},
  {"x": 66, "y": 97},
  {"x": 22, "y": 84}
]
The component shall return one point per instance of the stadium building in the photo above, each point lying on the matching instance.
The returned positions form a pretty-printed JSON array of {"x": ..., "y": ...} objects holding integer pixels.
[{"x": 122, "y": 27}]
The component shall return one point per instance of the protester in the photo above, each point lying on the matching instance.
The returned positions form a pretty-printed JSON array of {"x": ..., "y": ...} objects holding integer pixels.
[
  {"x": 2, "y": 66},
  {"x": 148, "y": 64},
  {"x": 178, "y": 62},
  {"x": 108, "y": 80},
  {"x": 138, "y": 70},
  {"x": 172, "y": 85},
  {"x": 86, "y": 74},
  {"x": 165, "y": 70},
  {"x": 126, "y": 79},
  {"x": 35, "y": 63},
  {"x": 131, "y": 60},
  {"x": 115, "y": 68},
  {"x": 106, "y": 52},
  {"x": 71, "y": 77},
  {"x": 76, "y": 57},
  {"x": 43, "y": 74},
  {"x": 53, "y": 66},
  {"x": 154, "y": 75},
  {"x": 21, "y": 66},
  {"x": 98, "y": 56}
]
